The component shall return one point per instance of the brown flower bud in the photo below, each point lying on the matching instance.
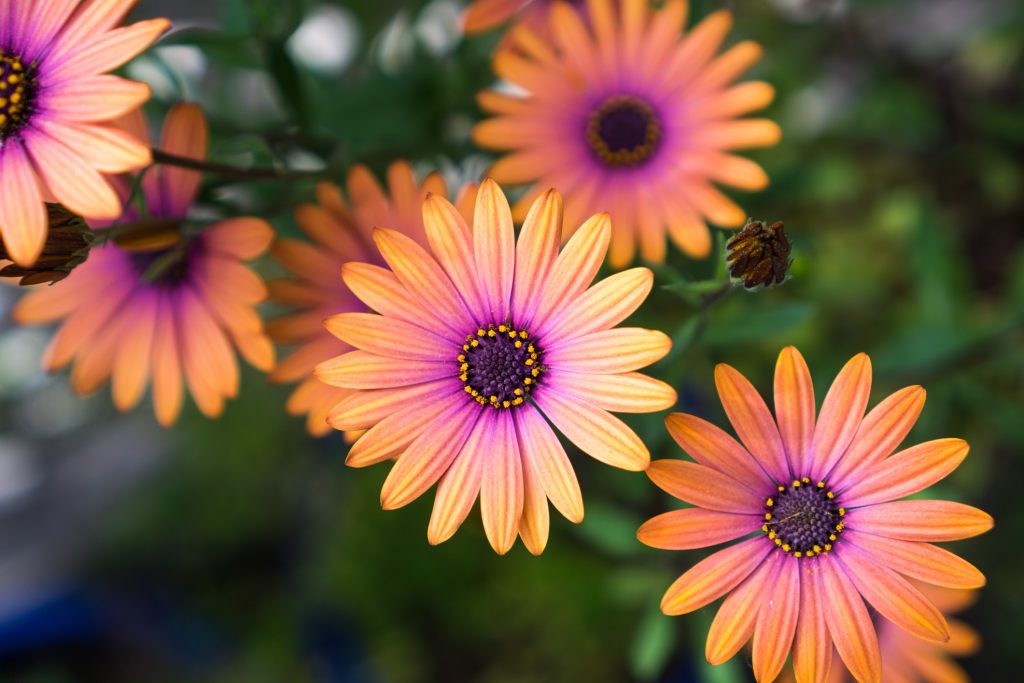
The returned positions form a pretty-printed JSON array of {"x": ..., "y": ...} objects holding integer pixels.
[
  {"x": 759, "y": 254},
  {"x": 67, "y": 245}
]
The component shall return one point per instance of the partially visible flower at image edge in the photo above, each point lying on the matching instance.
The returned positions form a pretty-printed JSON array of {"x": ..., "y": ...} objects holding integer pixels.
[
  {"x": 816, "y": 499},
  {"x": 909, "y": 659},
  {"x": 623, "y": 115},
  {"x": 172, "y": 315},
  {"x": 56, "y": 105},
  {"x": 339, "y": 231},
  {"x": 477, "y": 341},
  {"x": 485, "y": 15}
]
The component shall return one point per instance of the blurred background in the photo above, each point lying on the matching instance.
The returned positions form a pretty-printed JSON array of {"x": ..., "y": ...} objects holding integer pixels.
[{"x": 243, "y": 550}]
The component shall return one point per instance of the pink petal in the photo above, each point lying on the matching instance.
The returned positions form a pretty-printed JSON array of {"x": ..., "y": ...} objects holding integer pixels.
[
  {"x": 393, "y": 434},
  {"x": 73, "y": 182},
  {"x": 23, "y": 221},
  {"x": 602, "y": 306},
  {"x": 923, "y": 520},
  {"x": 535, "y": 522},
  {"x": 392, "y": 338},
  {"x": 543, "y": 453},
  {"x": 812, "y": 644},
  {"x": 776, "y": 623},
  {"x": 536, "y": 251},
  {"x": 95, "y": 98},
  {"x": 363, "y": 409},
  {"x": 923, "y": 561},
  {"x": 849, "y": 623},
  {"x": 452, "y": 244},
  {"x": 460, "y": 485},
  {"x": 622, "y": 349},
  {"x": 629, "y": 392},
  {"x": 710, "y": 446},
  {"x": 735, "y": 619},
  {"x": 365, "y": 370}
]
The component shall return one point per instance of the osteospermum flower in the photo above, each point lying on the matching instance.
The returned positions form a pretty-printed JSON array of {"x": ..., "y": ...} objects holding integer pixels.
[
  {"x": 475, "y": 341},
  {"x": 55, "y": 104},
  {"x": 484, "y": 15},
  {"x": 162, "y": 312},
  {"x": 909, "y": 659},
  {"x": 623, "y": 116},
  {"x": 816, "y": 502},
  {"x": 340, "y": 232}
]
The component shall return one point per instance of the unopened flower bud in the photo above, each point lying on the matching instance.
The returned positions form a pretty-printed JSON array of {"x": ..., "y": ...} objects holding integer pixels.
[
  {"x": 759, "y": 254},
  {"x": 67, "y": 245}
]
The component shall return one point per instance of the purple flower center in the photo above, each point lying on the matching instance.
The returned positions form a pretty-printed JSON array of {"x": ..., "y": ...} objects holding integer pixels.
[
  {"x": 499, "y": 365},
  {"x": 18, "y": 90},
  {"x": 623, "y": 131},
  {"x": 803, "y": 518},
  {"x": 161, "y": 266}
]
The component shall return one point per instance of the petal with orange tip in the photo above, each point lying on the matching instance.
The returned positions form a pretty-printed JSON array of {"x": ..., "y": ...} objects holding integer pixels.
[
  {"x": 602, "y": 306},
  {"x": 243, "y": 238},
  {"x": 893, "y": 596},
  {"x": 812, "y": 643},
  {"x": 74, "y": 183},
  {"x": 501, "y": 490},
  {"x": 460, "y": 485},
  {"x": 543, "y": 453},
  {"x": 363, "y": 409},
  {"x": 22, "y": 213},
  {"x": 629, "y": 392},
  {"x": 429, "y": 455},
  {"x": 841, "y": 415},
  {"x": 711, "y": 447},
  {"x": 734, "y": 622},
  {"x": 794, "y": 407},
  {"x": 390, "y": 337},
  {"x": 907, "y": 472},
  {"x": 621, "y": 349},
  {"x": 695, "y": 528},
  {"x": 752, "y": 420},
  {"x": 776, "y": 621},
  {"x": 365, "y": 370},
  {"x": 536, "y": 253},
  {"x": 494, "y": 248},
  {"x": 704, "y": 487},
  {"x": 849, "y": 623},
  {"x": 594, "y": 431},
  {"x": 714, "y": 576},
  {"x": 922, "y": 561},
  {"x": 575, "y": 267},
  {"x": 923, "y": 520},
  {"x": 452, "y": 244}
]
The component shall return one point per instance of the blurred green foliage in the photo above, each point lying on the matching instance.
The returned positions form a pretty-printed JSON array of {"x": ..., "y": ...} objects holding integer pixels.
[{"x": 899, "y": 179}]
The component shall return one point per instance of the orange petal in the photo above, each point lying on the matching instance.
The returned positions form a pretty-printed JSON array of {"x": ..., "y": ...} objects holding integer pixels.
[
  {"x": 840, "y": 415},
  {"x": 714, "y": 576},
  {"x": 695, "y": 528},
  {"x": 379, "y": 289},
  {"x": 893, "y": 596},
  {"x": 452, "y": 244},
  {"x": 494, "y": 247},
  {"x": 575, "y": 267},
  {"x": 109, "y": 50},
  {"x": 22, "y": 212},
  {"x": 812, "y": 645},
  {"x": 752, "y": 420},
  {"x": 131, "y": 366},
  {"x": 167, "y": 382},
  {"x": 622, "y": 349},
  {"x": 794, "y": 407},
  {"x": 501, "y": 491},
  {"x": 907, "y": 472},
  {"x": 534, "y": 525},
  {"x": 923, "y": 520},
  {"x": 103, "y": 148},
  {"x": 704, "y": 487},
  {"x": 365, "y": 370},
  {"x": 536, "y": 252},
  {"x": 849, "y": 623},
  {"x": 594, "y": 431},
  {"x": 740, "y": 134},
  {"x": 429, "y": 455},
  {"x": 483, "y": 15},
  {"x": 923, "y": 561},
  {"x": 390, "y": 337},
  {"x": 882, "y": 430},
  {"x": 460, "y": 485},
  {"x": 735, "y": 619},
  {"x": 73, "y": 182},
  {"x": 363, "y": 409},
  {"x": 542, "y": 452},
  {"x": 97, "y": 98},
  {"x": 602, "y": 306},
  {"x": 711, "y": 447},
  {"x": 390, "y": 437},
  {"x": 424, "y": 279},
  {"x": 626, "y": 393},
  {"x": 776, "y": 622},
  {"x": 243, "y": 238}
]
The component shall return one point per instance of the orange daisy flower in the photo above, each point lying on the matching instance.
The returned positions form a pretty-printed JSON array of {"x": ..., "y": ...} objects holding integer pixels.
[
  {"x": 168, "y": 312},
  {"x": 819, "y": 502},
  {"x": 623, "y": 116},
  {"x": 56, "y": 102},
  {"x": 483, "y": 15},
  {"x": 474, "y": 342},
  {"x": 908, "y": 659},
  {"x": 340, "y": 232}
]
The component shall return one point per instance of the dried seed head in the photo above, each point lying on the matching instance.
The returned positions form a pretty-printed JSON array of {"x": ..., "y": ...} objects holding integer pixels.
[
  {"x": 67, "y": 245},
  {"x": 759, "y": 254}
]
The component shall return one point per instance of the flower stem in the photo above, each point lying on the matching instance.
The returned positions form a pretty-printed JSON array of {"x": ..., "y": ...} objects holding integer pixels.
[{"x": 228, "y": 171}]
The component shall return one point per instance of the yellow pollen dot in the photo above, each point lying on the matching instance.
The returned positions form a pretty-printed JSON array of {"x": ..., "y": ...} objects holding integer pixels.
[
  {"x": 529, "y": 361},
  {"x": 535, "y": 372},
  {"x": 490, "y": 333},
  {"x": 830, "y": 495},
  {"x": 767, "y": 515},
  {"x": 527, "y": 380},
  {"x": 781, "y": 489},
  {"x": 474, "y": 343},
  {"x": 821, "y": 484},
  {"x": 506, "y": 404},
  {"x": 796, "y": 483},
  {"x": 778, "y": 541},
  {"x": 469, "y": 389},
  {"x": 831, "y": 537},
  {"x": 461, "y": 358},
  {"x": 806, "y": 480},
  {"x": 785, "y": 547},
  {"x": 518, "y": 344},
  {"x": 828, "y": 546},
  {"x": 501, "y": 328},
  {"x": 797, "y": 554},
  {"x": 842, "y": 511},
  {"x": 518, "y": 392},
  {"x": 769, "y": 502},
  {"x": 523, "y": 334},
  {"x": 764, "y": 527},
  {"x": 817, "y": 549},
  {"x": 771, "y": 535}
]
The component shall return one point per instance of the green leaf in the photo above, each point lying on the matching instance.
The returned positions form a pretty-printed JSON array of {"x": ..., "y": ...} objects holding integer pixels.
[
  {"x": 757, "y": 320},
  {"x": 652, "y": 645}
]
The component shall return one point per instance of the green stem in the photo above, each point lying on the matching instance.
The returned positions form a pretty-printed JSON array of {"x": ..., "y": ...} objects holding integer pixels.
[{"x": 228, "y": 171}]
